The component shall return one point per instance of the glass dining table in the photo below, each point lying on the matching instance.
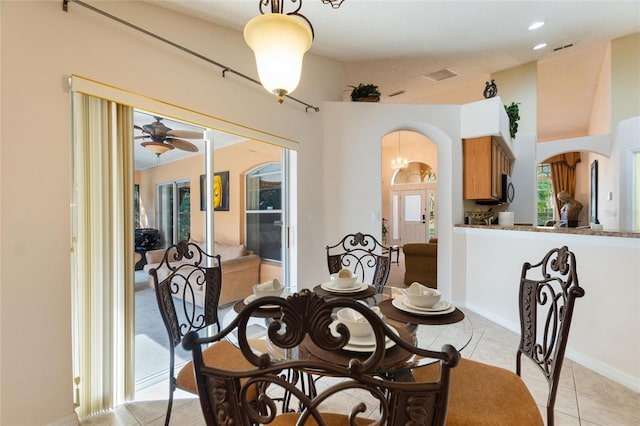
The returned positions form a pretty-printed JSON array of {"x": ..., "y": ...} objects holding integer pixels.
[{"x": 424, "y": 330}]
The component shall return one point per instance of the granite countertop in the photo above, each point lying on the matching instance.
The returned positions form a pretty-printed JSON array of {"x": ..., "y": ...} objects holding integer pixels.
[{"x": 579, "y": 231}]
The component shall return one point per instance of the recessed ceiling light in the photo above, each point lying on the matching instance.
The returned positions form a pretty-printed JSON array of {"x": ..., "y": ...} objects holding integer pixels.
[
  {"x": 539, "y": 46},
  {"x": 536, "y": 25}
]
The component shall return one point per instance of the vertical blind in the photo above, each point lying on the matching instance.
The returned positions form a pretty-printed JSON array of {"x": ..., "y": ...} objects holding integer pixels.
[{"x": 102, "y": 253}]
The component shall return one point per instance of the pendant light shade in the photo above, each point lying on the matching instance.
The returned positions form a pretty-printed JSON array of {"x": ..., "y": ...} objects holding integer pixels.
[{"x": 279, "y": 43}]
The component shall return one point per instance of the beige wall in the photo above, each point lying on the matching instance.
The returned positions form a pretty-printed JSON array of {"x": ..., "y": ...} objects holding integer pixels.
[
  {"x": 600, "y": 122},
  {"x": 625, "y": 81},
  {"x": 237, "y": 159},
  {"x": 518, "y": 85},
  {"x": 41, "y": 47}
]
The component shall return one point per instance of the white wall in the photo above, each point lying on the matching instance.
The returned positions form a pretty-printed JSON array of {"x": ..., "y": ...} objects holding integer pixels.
[
  {"x": 352, "y": 170},
  {"x": 41, "y": 47},
  {"x": 604, "y": 332},
  {"x": 524, "y": 179}
]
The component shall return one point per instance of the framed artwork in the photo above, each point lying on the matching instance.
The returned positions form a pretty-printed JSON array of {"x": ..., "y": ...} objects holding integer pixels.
[
  {"x": 220, "y": 192},
  {"x": 593, "y": 204}
]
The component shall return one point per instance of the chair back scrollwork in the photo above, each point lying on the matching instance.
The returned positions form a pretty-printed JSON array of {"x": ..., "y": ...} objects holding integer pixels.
[
  {"x": 363, "y": 255},
  {"x": 185, "y": 271},
  {"x": 307, "y": 321},
  {"x": 548, "y": 291}
]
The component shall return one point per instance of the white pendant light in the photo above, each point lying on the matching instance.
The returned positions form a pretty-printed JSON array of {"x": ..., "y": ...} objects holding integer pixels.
[{"x": 279, "y": 43}]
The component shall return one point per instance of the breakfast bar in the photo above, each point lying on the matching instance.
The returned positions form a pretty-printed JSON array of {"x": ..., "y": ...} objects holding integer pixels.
[{"x": 488, "y": 266}]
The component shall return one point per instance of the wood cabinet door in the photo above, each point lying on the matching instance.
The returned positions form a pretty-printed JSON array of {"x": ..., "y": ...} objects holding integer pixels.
[{"x": 477, "y": 171}]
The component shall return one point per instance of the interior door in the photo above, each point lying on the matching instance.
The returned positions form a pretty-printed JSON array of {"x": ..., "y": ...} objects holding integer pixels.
[
  {"x": 410, "y": 216},
  {"x": 413, "y": 222}
]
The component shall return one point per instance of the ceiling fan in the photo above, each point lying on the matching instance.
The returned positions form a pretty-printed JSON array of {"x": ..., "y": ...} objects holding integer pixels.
[{"x": 163, "y": 138}]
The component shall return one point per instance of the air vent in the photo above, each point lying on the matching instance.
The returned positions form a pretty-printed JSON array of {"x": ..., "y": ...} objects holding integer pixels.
[
  {"x": 566, "y": 46},
  {"x": 399, "y": 92},
  {"x": 442, "y": 74}
]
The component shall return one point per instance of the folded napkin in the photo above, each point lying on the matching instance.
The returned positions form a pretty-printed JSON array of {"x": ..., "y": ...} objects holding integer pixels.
[
  {"x": 269, "y": 285},
  {"x": 353, "y": 315},
  {"x": 416, "y": 288}
]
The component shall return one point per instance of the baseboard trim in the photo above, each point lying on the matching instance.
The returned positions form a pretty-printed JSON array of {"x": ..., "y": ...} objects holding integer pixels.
[
  {"x": 581, "y": 358},
  {"x": 70, "y": 420}
]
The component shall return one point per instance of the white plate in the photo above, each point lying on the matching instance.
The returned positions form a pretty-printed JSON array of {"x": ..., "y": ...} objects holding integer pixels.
[
  {"x": 330, "y": 287},
  {"x": 253, "y": 297},
  {"x": 442, "y": 305},
  {"x": 363, "y": 343},
  {"x": 399, "y": 303}
]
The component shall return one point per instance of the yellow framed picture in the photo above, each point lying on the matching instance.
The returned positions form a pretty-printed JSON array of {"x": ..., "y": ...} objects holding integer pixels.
[{"x": 220, "y": 197}]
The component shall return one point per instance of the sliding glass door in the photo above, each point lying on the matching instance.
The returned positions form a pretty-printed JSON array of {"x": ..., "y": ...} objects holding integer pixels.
[{"x": 174, "y": 212}]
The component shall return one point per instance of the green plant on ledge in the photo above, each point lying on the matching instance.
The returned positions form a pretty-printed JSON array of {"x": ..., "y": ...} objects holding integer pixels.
[
  {"x": 365, "y": 92},
  {"x": 513, "y": 112}
]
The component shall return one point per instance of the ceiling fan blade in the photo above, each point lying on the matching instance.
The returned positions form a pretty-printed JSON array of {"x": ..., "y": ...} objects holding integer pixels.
[
  {"x": 135, "y": 126},
  {"x": 182, "y": 144},
  {"x": 185, "y": 134},
  {"x": 141, "y": 137}
]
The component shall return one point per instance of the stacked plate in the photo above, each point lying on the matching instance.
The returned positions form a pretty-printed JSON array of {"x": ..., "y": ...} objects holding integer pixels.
[
  {"x": 253, "y": 297},
  {"x": 440, "y": 308},
  {"x": 330, "y": 286},
  {"x": 363, "y": 343}
]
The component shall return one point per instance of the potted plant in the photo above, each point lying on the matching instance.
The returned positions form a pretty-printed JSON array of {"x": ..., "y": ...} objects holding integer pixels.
[
  {"x": 384, "y": 230},
  {"x": 365, "y": 93},
  {"x": 513, "y": 112}
]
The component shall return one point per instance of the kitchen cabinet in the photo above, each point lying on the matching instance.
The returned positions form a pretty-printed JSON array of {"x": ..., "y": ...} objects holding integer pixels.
[{"x": 484, "y": 162}]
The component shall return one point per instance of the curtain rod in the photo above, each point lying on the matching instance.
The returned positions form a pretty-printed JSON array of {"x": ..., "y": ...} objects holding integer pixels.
[{"x": 225, "y": 69}]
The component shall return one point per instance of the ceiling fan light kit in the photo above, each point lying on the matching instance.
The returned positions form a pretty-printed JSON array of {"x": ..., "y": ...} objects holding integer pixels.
[
  {"x": 279, "y": 41},
  {"x": 164, "y": 139},
  {"x": 157, "y": 148}
]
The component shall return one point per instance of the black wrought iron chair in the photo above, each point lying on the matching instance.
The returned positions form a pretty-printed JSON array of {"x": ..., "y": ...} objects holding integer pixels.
[
  {"x": 305, "y": 338},
  {"x": 363, "y": 255},
  {"x": 186, "y": 270},
  {"x": 548, "y": 292},
  {"x": 485, "y": 394}
]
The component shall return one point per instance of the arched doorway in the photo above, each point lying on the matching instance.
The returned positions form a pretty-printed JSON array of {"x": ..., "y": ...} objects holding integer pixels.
[{"x": 409, "y": 190}]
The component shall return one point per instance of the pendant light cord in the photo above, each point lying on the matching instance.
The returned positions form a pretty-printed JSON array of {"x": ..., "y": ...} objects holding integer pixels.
[{"x": 225, "y": 69}]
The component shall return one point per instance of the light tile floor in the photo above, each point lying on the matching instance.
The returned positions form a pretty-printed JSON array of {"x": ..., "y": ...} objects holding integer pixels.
[{"x": 584, "y": 397}]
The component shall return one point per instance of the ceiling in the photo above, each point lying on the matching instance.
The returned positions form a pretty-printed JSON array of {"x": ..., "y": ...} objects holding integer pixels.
[{"x": 396, "y": 43}]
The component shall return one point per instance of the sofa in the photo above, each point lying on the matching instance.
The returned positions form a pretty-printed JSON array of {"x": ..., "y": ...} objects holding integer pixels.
[
  {"x": 240, "y": 271},
  {"x": 421, "y": 263}
]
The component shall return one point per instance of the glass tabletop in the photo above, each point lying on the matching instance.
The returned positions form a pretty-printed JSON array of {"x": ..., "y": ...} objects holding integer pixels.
[{"x": 424, "y": 331}]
